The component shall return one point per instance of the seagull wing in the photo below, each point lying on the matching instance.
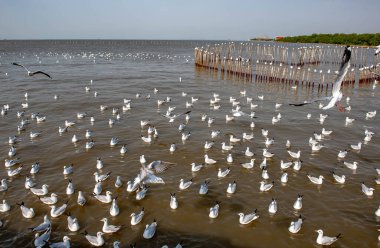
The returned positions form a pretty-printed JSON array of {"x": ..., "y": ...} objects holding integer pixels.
[
  {"x": 40, "y": 72},
  {"x": 151, "y": 178},
  {"x": 21, "y": 66},
  {"x": 309, "y": 102},
  {"x": 345, "y": 64},
  {"x": 159, "y": 166}
]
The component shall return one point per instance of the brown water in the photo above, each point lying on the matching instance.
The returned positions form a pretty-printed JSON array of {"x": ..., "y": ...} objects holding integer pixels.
[{"x": 123, "y": 68}]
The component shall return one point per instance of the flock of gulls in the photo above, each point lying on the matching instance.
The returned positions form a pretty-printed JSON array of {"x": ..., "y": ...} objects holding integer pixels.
[{"x": 152, "y": 173}]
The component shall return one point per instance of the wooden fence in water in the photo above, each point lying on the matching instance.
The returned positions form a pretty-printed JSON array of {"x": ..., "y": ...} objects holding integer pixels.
[{"x": 310, "y": 65}]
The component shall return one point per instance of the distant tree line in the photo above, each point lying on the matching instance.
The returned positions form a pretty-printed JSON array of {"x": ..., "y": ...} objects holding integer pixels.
[{"x": 346, "y": 39}]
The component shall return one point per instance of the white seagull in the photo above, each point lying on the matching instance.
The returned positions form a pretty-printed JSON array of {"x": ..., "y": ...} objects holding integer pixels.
[
  {"x": 245, "y": 219},
  {"x": 295, "y": 226},
  {"x": 150, "y": 230},
  {"x": 325, "y": 240}
]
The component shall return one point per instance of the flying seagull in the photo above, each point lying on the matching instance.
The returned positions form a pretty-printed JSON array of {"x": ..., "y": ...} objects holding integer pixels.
[
  {"x": 336, "y": 93},
  {"x": 30, "y": 73}
]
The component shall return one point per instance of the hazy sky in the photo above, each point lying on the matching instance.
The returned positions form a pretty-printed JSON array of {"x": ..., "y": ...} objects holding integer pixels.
[{"x": 188, "y": 19}]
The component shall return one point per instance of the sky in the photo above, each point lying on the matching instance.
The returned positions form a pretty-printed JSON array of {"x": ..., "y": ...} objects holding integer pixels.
[{"x": 184, "y": 19}]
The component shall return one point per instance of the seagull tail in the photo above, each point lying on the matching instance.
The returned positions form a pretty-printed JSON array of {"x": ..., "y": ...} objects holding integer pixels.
[{"x": 339, "y": 236}]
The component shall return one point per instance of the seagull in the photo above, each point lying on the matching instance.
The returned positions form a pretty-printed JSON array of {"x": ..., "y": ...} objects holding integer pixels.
[
  {"x": 325, "y": 240},
  {"x": 367, "y": 190},
  {"x": 316, "y": 180},
  {"x": 68, "y": 169},
  {"x": 40, "y": 192},
  {"x": 196, "y": 167},
  {"x": 90, "y": 144},
  {"x": 295, "y": 226},
  {"x": 3, "y": 185},
  {"x": 41, "y": 240},
  {"x": 109, "y": 228},
  {"x": 224, "y": 173},
  {"x": 285, "y": 165},
  {"x": 30, "y": 73},
  {"x": 214, "y": 211},
  {"x": 247, "y": 136},
  {"x": 136, "y": 218},
  {"x": 107, "y": 198},
  {"x": 297, "y": 165},
  {"x": 150, "y": 230},
  {"x": 209, "y": 160},
  {"x": 173, "y": 201},
  {"x": 265, "y": 187},
  {"x": 35, "y": 168},
  {"x": 123, "y": 149},
  {"x": 97, "y": 188},
  {"x": 70, "y": 188},
  {"x": 226, "y": 147},
  {"x": 43, "y": 226},
  {"x": 49, "y": 200},
  {"x": 352, "y": 166},
  {"x": 272, "y": 206},
  {"x": 264, "y": 173},
  {"x": 233, "y": 139},
  {"x": 231, "y": 188},
  {"x": 267, "y": 154},
  {"x": 114, "y": 210},
  {"x": 336, "y": 93},
  {"x": 72, "y": 223},
  {"x": 29, "y": 183},
  {"x": 245, "y": 219},
  {"x": 295, "y": 155},
  {"x": 339, "y": 179},
  {"x": 316, "y": 147},
  {"x": 141, "y": 192},
  {"x": 10, "y": 162},
  {"x": 185, "y": 184},
  {"x": 284, "y": 177},
  {"x": 4, "y": 207},
  {"x": 342, "y": 154},
  {"x": 249, "y": 165},
  {"x": 349, "y": 120},
  {"x": 118, "y": 182},
  {"x": 15, "y": 172},
  {"x": 26, "y": 212},
  {"x": 248, "y": 153},
  {"x": 57, "y": 211},
  {"x": 64, "y": 244},
  {"x": 100, "y": 177},
  {"x": 95, "y": 240},
  {"x": 357, "y": 147},
  {"x": 204, "y": 188},
  {"x": 298, "y": 203},
  {"x": 208, "y": 145}
]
